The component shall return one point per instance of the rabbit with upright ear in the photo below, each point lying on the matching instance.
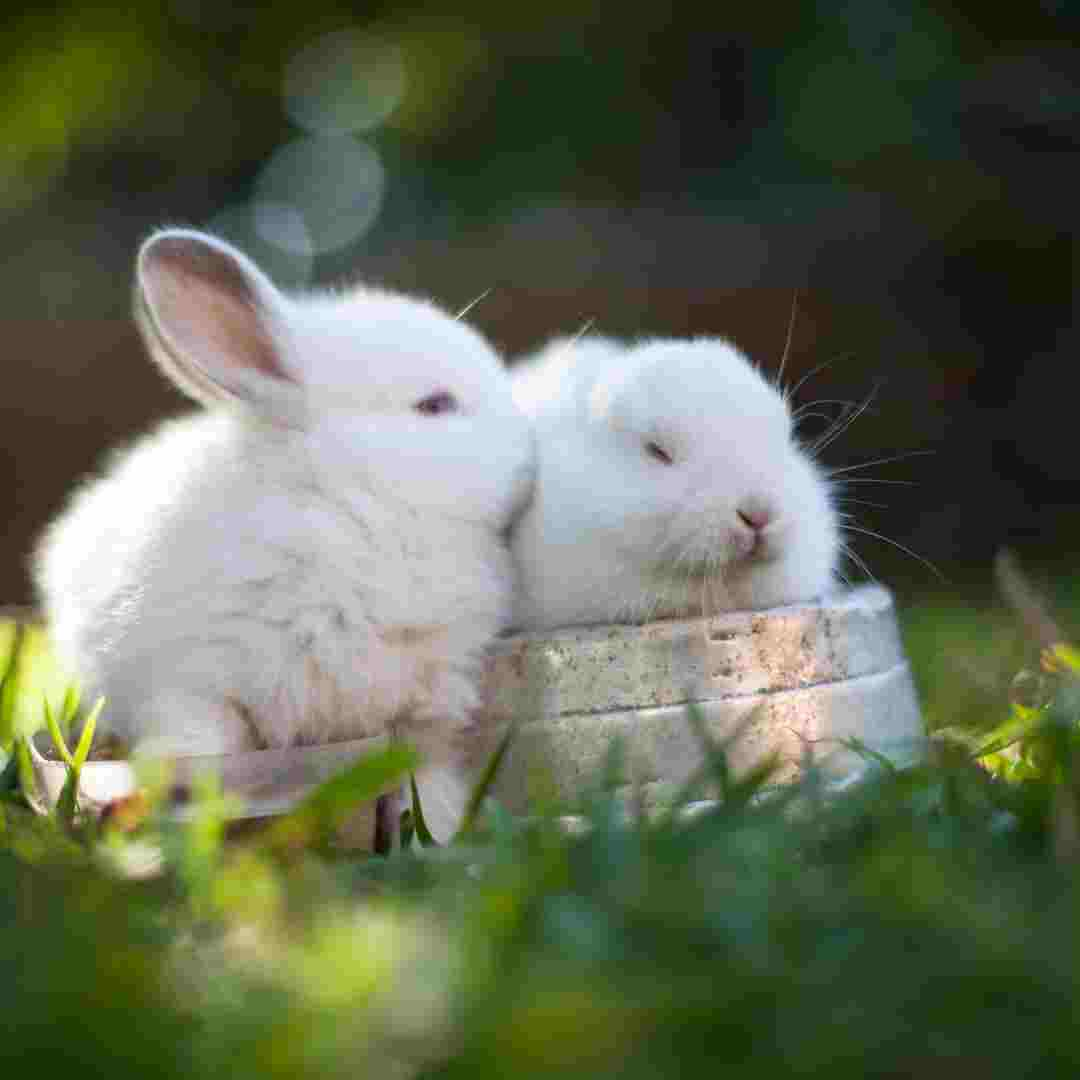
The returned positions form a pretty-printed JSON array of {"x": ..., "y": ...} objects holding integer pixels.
[
  {"x": 320, "y": 553},
  {"x": 669, "y": 483}
]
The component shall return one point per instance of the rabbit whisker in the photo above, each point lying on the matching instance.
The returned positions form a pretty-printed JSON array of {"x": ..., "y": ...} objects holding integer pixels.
[
  {"x": 875, "y": 480},
  {"x": 585, "y": 328},
  {"x": 798, "y": 419},
  {"x": 861, "y": 502},
  {"x": 901, "y": 547},
  {"x": 849, "y": 552},
  {"x": 778, "y": 383},
  {"x": 843, "y": 424},
  {"x": 878, "y": 461},
  {"x": 824, "y": 401},
  {"x": 472, "y": 303},
  {"x": 789, "y": 394}
]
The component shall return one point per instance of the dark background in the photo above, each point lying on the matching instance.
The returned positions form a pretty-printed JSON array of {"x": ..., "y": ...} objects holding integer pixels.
[{"x": 912, "y": 170}]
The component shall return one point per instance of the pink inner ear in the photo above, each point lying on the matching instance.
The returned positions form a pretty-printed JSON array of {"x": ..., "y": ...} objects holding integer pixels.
[{"x": 208, "y": 308}]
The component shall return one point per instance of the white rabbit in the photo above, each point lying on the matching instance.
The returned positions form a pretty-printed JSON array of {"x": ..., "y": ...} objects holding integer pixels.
[
  {"x": 669, "y": 482},
  {"x": 320, "y": 554}
]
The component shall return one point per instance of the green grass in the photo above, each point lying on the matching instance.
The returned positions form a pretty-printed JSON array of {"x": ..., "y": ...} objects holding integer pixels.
[{"x": 924, "y": 919}]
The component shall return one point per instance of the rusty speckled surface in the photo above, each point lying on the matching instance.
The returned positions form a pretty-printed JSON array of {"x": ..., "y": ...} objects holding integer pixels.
[
  {"x": 595, "y": 669},
  {"x": 796, "y": 681}
]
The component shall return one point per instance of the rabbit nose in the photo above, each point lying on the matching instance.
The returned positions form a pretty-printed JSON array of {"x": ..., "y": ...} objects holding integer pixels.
[{"x": 755, "y": 514}]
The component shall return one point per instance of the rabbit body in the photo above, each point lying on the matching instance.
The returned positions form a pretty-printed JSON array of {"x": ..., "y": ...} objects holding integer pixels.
[
  {"x": 669, "y": 484},
  {"x": 318, "y": 619},
  {"x": 320, "y": 555}
]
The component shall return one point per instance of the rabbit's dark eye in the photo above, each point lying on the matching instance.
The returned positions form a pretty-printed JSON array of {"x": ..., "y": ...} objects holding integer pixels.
[
  {"x": 437, "y": 404},
  {"x": 658, "y": 453}
]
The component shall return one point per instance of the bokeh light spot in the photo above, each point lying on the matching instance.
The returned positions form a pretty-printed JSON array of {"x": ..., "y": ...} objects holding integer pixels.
[
  {"x": 317, "y": 194},
  {"x": 344, "y": 82}
]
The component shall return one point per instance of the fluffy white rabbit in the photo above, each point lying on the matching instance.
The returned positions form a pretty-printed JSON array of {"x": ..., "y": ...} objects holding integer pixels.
[
  {"x": 318, "y": 555},
  {"x": 669, "y": 482}
]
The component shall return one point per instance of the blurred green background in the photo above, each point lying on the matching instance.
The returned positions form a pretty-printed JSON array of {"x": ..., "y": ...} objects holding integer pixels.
[{"x": 910, "y": 169}]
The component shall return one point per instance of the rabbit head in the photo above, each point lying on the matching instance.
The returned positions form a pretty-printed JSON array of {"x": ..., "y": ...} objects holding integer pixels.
[
  {"x": 670, "y": 480},
  {"x": 378, "y": 393}
]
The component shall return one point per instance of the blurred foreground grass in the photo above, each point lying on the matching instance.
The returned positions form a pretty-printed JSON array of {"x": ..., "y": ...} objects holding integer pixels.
[{"x": 917, "y": 920}]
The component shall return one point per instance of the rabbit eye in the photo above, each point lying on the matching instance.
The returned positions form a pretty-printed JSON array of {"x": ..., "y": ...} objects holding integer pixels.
[
  {"x": 437, "y": 404},
  {"x": 658, "y": 453}
]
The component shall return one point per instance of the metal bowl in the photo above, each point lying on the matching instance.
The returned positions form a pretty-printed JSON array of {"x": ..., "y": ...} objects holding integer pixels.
[{"x": 797, "y": 681}]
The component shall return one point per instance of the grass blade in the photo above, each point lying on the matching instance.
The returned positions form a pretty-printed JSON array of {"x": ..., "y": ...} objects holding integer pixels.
[
  {"x": 867, "y": 753},
  {"x": 9, "y": 687},
  {"x": 417, "y": 822},
  {"x": 483, "y": 786},
  {"x": 734, "y": 792},
  {"x": 9, "y": 775},
  {"x": 69, "y": 707},
  {"x": 67, "y": 804},
  {"x": 57, "y": 735},
  {"x": 752, "y": 781},
  {"x": 406, "y": 829},
  {"x": 315, "y": 819},
  {"x": 27, "y": 784},
  {"x": 82, "y": 751},
  {"x": 715, "y": 755}
]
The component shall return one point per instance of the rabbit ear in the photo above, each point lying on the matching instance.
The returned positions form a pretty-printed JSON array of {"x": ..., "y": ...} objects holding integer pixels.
[{"x": 209, "y": 316}]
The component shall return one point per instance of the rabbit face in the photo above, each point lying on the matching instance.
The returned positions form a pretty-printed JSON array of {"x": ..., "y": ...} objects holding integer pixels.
[
  {"x": 734, "y": 499},
  {"x": 672, "y": 468},
  {"x": 412, "y": 405}
]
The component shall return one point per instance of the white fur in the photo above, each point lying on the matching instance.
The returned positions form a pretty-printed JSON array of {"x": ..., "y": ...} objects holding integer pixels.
[
  {"x": 310, "y": 559},
  {"x": 614, "y": 535}
]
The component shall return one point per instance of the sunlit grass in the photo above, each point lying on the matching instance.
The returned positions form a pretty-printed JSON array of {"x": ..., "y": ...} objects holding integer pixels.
[{"x": 924, "y": 913}]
